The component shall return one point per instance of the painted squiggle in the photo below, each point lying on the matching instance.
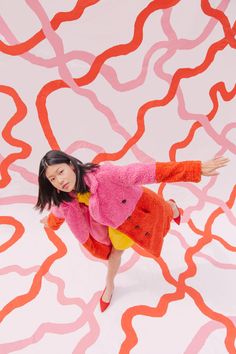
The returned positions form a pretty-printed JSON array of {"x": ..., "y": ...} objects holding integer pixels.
[
  {"x": 204, "y": 332},
  {"x": 59, "y": 18},
  {"x": 107, "y": 77},
  {"x": 7, "y": 136}
]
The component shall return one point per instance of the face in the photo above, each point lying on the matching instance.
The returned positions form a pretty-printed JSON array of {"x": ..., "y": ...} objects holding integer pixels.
[{"x": 61, "y": 176}]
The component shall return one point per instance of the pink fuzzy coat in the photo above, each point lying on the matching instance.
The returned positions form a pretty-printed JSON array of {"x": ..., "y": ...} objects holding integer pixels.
[{"x": 119, "y": 200}]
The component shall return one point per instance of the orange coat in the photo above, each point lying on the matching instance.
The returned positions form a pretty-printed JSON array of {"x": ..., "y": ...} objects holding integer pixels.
[{"x": 118, "y": 200}]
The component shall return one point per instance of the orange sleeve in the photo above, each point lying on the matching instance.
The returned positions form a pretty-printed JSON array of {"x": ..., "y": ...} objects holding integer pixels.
[
  {"x": 54, "y": 222},
  {"x": 97, "y": 249},
  {"x": 185, "y": 171}
]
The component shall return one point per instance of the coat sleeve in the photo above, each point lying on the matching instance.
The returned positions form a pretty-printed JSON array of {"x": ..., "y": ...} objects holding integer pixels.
[
  {"x": 54, "y": 222},
  {"x": 140, "y": 173},
  {"x": 55, "y": 218},
  {"x": 185, "y": 171}
]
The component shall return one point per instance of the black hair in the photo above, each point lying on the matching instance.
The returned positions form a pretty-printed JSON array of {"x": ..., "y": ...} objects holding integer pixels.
[{"x": 47, "y": 194}]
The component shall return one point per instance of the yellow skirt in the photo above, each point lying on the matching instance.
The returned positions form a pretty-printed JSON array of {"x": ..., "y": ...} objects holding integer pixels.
[{"x": 119, "y": 240}]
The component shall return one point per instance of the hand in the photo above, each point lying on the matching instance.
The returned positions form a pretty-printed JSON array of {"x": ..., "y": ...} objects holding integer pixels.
[
  {"x": 44, "y": 221},
  {"x": 209, "y": 168}
]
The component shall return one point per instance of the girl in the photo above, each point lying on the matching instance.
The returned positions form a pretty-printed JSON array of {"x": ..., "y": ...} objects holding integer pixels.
[{"x": 108, "y": 209}]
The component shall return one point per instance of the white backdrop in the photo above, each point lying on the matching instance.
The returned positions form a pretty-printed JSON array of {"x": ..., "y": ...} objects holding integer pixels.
[{"x": 118, "y": 81}]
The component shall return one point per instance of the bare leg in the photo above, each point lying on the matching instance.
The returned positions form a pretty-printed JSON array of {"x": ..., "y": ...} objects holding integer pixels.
[
  {"x": 112, "y": 269},
  {"x": 174, "y": 208}
]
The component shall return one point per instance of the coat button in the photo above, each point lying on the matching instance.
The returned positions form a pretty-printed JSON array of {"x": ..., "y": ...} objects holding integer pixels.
[
  {"x": 147, "y": 233},
  {"x": 124, "y": 201},
  {"x": 137, "y": 227}
]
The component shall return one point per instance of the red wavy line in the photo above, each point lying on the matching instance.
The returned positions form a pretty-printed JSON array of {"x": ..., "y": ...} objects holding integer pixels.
[
  {"x": 131, "y": 337},
  {"x": 231, "y": 331},
  {"x": 38, "y": 37},
  {"x": 191, "y": 270},
  {"x": 226, "y": 95},
  {"x": 21, "y": 300},
  {"x": 95, "y": 67},
  {"x": 215, "y": 237},
  {"x": 6, "y": 133},
  {"x": 225, "y": 244},
  {"x": 123, "y": 49},
  {"x": 220, "y": 16},
  {"x": 19, "y": 231},
  {"x": 179, "y": 74},
  {"x": 177, "y": 77},
  {"x": 219, "y": 87},
  {"x": 207, "y": 237},
  {"x": 158, "y": 311}
]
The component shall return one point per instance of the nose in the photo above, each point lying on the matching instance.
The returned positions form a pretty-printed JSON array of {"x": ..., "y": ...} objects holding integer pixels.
[{"x": 60, "y": 180}]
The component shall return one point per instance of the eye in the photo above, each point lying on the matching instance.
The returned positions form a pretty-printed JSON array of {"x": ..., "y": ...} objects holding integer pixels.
[
  {"x": 60, "y": 172},
  {"x": 52, "y": 179}
]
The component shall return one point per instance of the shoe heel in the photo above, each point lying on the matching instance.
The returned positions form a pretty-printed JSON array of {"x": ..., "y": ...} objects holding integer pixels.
[
  {"x": 103, "y": 304},
  {"x": 177, "y": 220}
]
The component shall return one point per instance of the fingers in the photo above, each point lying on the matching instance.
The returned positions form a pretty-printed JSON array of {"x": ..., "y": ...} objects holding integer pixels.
[
  {"x": 221, "y": 160},
  {"x": 210, "y": 167},
  {"x": 44, "y": 221},
  {"x": 221, "y": 157},
  {"x": 213, "y": 173},
  {"x": 218, "y": 162}
]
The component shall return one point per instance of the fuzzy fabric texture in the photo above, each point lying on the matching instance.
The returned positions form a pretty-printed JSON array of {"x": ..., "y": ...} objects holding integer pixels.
[
  {"x": 117, "y": 194},
  {"x": 149, "y": 223}
]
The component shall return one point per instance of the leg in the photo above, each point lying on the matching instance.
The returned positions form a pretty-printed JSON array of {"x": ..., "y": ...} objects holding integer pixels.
[{"x": 112, "y": 268}]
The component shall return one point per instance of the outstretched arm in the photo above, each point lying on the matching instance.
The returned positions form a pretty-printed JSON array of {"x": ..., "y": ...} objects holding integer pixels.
[
  {"x": 140, "y": 173},
  {"x": 209, "y": 168}
]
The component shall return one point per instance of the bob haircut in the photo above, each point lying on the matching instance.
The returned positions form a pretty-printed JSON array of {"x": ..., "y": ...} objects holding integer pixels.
[{"x": 47, "y": 194}]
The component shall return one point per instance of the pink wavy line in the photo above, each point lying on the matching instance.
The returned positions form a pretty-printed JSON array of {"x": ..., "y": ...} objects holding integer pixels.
[
  {"x": 45, "y": 328},
  {"x": 61, "y": 328},
  {"x": 211, "y": 181},
  {"x": 203, "y": 120},
  {"x": 28, "y": 176},
  {"x": 19, "y": 270},
  {"x": 93, "y": 334},
  {"x": 203, "y": 333},
  {"x": 181, "y": 107},
  {"x": 80, "y": 144},
  {"x": 16, "y": 199},
  {"x": 202, "y": 194},
  {"x": 186, "y": 115},
  {"x": 129, "y": 263},
  {"x": 107, "y": 71},
  {"x": 213, "y": 261},
  {"x": 202, "y": 199},
  {"x": 33, "y": 178},
  {"x": 65, "y": 74},
  {"x": 58, "y": 46}
]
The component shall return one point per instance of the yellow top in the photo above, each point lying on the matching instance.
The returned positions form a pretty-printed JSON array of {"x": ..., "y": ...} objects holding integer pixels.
[{"x": 119, "y": 240}]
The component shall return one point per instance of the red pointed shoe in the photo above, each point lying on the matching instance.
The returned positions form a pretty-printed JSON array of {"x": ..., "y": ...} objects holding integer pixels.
[
  {"x": 103, "y": 304},
  {"x": 178, "y": 218}
]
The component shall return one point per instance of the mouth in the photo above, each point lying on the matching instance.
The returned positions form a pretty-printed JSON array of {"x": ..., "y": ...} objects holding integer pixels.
[{"x": 65, "y": 186}]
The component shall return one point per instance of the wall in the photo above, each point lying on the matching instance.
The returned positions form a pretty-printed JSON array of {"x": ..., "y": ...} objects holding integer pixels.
[{"x": 118, "y": 81}]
